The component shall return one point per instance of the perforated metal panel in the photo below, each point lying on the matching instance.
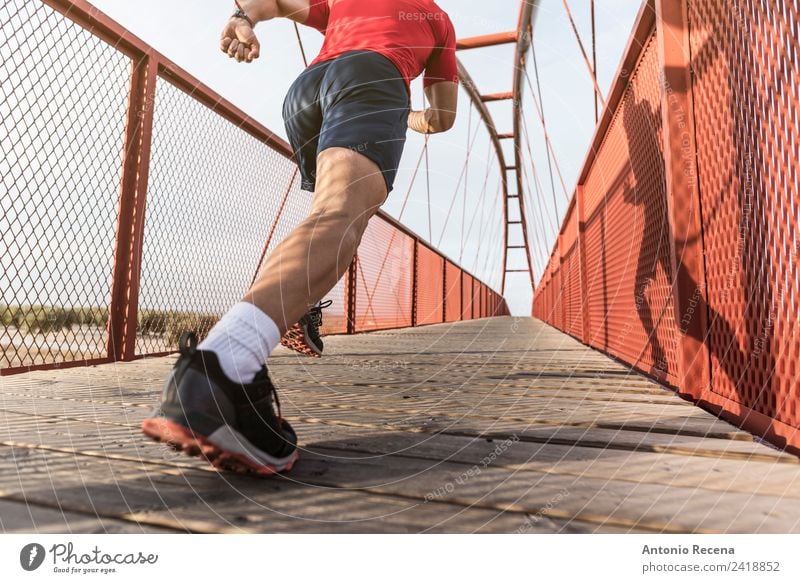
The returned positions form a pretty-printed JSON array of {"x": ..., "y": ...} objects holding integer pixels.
[
  {"x": 466, "y": 297},
  {"x": 627, "y": 240},
  {"x": 453, "y": 292},
  {"x": 430, "y": 286},
  {"x": 745, "y": 62},
  {"x": 573, "y": 309}
]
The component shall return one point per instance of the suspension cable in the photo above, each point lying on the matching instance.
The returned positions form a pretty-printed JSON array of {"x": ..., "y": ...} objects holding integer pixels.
[
  {"x": 543, "y": 120},
  {"x": 526, "y": 136},
  {"x": 300, "y": 44},
  {"x": 427, "y": 175},
  {"x": 538, "y": 186},
  {"x": 464, "y": 207},
  {"x": 594, "y": 56},
  {"x": 462, "y": 177},
  {"x": 585, "y": 56},
  {"x": 540, "y": 111}
]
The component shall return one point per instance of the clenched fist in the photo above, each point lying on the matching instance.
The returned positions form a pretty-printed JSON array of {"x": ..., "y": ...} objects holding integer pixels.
[{"x": 239, "y": 41}]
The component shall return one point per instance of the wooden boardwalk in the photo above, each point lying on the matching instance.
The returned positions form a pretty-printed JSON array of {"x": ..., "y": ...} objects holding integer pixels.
[{"x": 497, "y": 425}]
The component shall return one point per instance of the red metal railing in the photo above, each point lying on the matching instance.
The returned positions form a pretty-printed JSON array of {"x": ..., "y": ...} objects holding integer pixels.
[
  {"x": 123, "y": 220},
  {"x": 679, "y": 251}
]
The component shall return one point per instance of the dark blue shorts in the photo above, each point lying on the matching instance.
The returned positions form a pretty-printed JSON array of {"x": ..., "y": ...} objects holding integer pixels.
[{"x": 359, "y": 101}]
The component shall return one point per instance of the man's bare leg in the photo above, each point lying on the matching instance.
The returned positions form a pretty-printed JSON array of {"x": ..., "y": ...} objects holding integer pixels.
[
  {"x": 303, "y": 267},
  {"x": 313, "y": 258}
]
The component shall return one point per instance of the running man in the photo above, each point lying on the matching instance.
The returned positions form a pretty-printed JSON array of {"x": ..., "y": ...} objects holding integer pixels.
[{"x": 346, "y": 117}]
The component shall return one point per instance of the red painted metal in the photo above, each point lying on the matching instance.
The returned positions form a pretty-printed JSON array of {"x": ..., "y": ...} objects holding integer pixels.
[
  {"x": 747, "y": 119},
  {"x": 687, "y": 213},
  {"x": 452, "y": 301},
  {"x": 351, "y": 295},
  {"x": 497, "y": 97},
  {"x": 123, "y": 308},
  {"x": 527, "y": 14},
  {"x": 487, "y": 40},
  {"x": 54, "y": 365},
  {"x": 429, "y": 290},
  {"x": 683, "y": 201},
  {"x": 586, "y": 331}
]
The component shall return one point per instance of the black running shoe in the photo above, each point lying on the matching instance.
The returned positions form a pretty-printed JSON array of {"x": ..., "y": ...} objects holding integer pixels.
[
  {"x": 304, "y": 336},
  {"x": 234, "y": 426}
]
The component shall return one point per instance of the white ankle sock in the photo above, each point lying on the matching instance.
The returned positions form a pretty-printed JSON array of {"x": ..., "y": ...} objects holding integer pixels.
[{"x": 242, "y": 340}]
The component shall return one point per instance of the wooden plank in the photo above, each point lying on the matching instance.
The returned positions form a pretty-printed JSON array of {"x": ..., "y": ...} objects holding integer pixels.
[
  {"x": 205, "y": 501},
  {"x": 387, "y": 421},
  {"x": 17, "y": 517},
  {"x": 646, "y": 506}
]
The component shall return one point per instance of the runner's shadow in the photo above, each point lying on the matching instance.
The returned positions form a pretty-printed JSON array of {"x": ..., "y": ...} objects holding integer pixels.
[{"x": 647, "y": 189}]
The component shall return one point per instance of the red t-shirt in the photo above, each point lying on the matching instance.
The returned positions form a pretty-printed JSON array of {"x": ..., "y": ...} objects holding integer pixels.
[{"x": 415, "y": 35}]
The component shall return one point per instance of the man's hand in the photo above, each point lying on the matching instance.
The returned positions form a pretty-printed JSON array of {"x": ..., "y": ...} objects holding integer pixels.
[
  {"x": 239, "y": 41},
  {"x": 441, "y": 115}
]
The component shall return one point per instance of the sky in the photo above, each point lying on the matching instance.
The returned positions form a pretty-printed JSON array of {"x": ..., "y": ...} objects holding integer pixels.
[{"x": 187, "y": 32}]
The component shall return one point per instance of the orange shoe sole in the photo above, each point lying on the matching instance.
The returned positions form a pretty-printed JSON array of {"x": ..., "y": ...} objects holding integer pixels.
[
  {"x": 183, "y": 439},
  {"x": 295, "y": 339}
]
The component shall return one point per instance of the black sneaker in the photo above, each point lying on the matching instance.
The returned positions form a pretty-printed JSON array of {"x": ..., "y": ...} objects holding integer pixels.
[
  {"x": 304, "y": 336},
  {"x": 234, "y": 426}
]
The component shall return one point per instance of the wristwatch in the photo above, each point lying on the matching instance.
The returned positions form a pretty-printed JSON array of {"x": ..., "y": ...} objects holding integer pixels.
[{"x": 239, "y": 13}]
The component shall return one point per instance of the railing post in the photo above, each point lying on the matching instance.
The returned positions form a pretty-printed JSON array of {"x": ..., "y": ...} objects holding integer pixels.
[
  {"x": 124, "y": 301},
  {"x": 351, "y": 286},
  {"x": 683, "y": 196},
  {"x": 562, "y": 282},
  {"x": 581, "y": 210},
  {"x": 444, "y": 289},
  {"x": 414, "y": 283}
]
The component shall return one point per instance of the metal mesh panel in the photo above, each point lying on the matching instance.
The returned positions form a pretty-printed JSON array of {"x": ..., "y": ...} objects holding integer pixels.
[
  {"x": 384, "y": 279},
  {"x": 557, "y": 316},
  {"x": 596, "y": 280},
  {"x": 209, "y": 211},
  {"x": 476, "y": 298},
  {"x": 453, "y": 291},
  {"x": 430, "y": 286},
  {"x": 572, "y": 293},
  {"x": 466, "y": 297},
  {"x": 746, "y": 111},
  {"x": 628, "y": 232},
  {"x": 63, "y": 100}
]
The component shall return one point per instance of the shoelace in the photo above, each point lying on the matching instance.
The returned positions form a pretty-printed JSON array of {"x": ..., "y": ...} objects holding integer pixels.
[
  {"x": 187, "y": 344},
  {"x": 272, "y": 392},
  {"x": 315, "y": 313}
]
